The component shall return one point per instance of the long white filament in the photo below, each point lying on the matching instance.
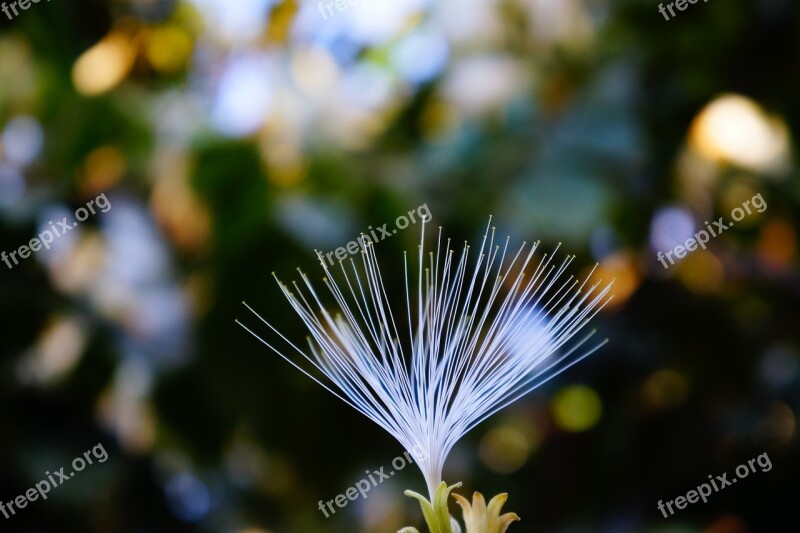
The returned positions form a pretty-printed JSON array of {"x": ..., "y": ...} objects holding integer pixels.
[{"x": 482, "y": 338}]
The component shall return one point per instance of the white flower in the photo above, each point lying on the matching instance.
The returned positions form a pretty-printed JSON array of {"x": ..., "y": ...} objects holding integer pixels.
[{"x": 478, "y": 333}]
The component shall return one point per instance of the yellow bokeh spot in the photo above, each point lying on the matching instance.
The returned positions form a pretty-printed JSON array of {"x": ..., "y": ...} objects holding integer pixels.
[
  {"x": 734, "y": 129},
  {"x": 168, "y": 48},
  {"x": 701, "y": 272},
  {"x": 664, "y": 389},
  {"x": 180, "y": 214},
  {"x": 285, "y": 164},
  {"x": 104, "y": 167},
  {"x": 779, "y": 424},
  {"x": 577, "y": 408},
  {"x": 103, "y": 66},
  {"x": 736, "y": 194},
  {"x": 623, "y": 269},
  {"x": 56, "y": 353},
  {"x": 506, "y": 449},
  {"x": 439, "y": 121},
  {"x": 777, "y": 244},
  {"x": 280, "y": 22},
  {"x": 315, "y": 71},
  {"x": 727, "y": 524},
  {"x": 131, "y": 417}
]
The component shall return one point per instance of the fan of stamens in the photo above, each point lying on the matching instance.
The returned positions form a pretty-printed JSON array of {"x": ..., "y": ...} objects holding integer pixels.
[{"x": 474, "y": 338}]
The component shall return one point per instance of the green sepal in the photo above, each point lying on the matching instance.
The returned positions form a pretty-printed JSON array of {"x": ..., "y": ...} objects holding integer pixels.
[{"x": 436, "y": 514}]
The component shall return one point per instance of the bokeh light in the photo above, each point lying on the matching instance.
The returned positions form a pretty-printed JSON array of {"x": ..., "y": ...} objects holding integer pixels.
[
  {"x": 105, "y": 65},
  {"x": 701, "y": 272},
  {"x": 105, "y": 166},
  {"x": 664, "y": 389},
  {"x": 671, "y": 226},
  {"x": 12, "y": 185},
  {"x": 169, "y": 48},
  {"x": 735, "y": 129},
  {"x": 244, "y": 96},
  {"x": 22, "y": 140},
  {"x": 188, "y": 496},
  {"x": 777, "y": 244},
  {"x": 577, "y": 408},
  {"x": 623, "y": 269},
  {"x": 506, "y": 448},
  {"x": 58, "y": 350}
]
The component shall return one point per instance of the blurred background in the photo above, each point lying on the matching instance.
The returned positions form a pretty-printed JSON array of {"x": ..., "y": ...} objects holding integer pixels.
[{"x": 234, "y": 138}]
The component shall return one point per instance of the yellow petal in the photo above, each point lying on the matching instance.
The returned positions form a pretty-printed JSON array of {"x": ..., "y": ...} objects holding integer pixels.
[
  {"x": 480, "y": 519},
  {"x": 506, "y": 520},
  {"x": 496, "y": 504}
]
